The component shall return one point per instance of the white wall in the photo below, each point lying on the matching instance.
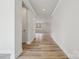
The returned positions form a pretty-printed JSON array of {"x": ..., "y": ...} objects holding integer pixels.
[
  {"x": 65, "y": 27},
  {"x": 7, "y": 27},
  {"x": 18, "y": 26},
  {"x": 42, "y": 25}
]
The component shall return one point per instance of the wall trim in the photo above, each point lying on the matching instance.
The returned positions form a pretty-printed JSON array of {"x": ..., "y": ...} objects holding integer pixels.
[
  {"x": 29, "y": 42},
  {"x": 53, "y": 37}
]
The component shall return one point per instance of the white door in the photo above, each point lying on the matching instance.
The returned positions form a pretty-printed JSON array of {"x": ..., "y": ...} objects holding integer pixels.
[
  {"x": 28, "y": 33},
  {"x": 31, "y": 31},
  {"x": 24, "y": 24}
]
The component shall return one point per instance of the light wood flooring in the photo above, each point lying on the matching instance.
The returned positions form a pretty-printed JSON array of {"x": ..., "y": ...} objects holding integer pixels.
[{"x": 42, "y": 48}]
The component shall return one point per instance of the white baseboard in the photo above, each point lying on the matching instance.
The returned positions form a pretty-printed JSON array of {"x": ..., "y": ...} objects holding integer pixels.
[
  {"x": 29, "y": 42},
  {"x": 53, "y": 37}
]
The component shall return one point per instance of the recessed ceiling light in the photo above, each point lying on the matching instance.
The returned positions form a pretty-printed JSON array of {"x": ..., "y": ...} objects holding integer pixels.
[{"x": 43, "y": 9}]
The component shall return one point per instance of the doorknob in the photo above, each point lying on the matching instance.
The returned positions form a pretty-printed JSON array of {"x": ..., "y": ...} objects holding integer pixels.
[{"x": 24, "y": 30}]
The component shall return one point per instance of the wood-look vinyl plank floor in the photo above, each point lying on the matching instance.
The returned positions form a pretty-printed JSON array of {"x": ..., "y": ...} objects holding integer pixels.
[{"x": 44, "y": 48}]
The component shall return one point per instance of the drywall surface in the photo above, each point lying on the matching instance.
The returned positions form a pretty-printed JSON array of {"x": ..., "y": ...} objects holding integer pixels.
[
  {"x": 65, "y": 27},
  {"x": 7, "y": 27},
  {"x": 18, "y": 28}
]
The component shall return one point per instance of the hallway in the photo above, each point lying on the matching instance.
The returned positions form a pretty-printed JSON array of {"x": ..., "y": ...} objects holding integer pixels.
[{"x": 42, "y": 48}]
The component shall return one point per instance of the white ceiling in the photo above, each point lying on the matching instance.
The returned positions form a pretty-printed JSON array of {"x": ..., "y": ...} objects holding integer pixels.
[{"x": 43, "y": 8}]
